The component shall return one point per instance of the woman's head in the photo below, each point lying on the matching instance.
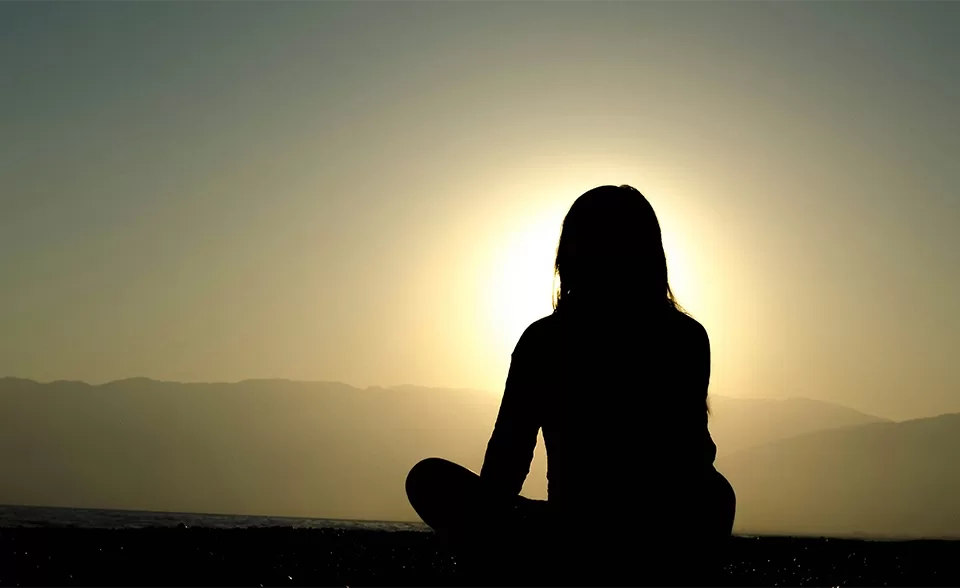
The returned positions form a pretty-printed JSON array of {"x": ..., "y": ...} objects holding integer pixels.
[{"x": 611, "y": 254}]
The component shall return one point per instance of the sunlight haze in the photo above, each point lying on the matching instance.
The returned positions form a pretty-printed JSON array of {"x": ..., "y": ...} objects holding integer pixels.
[{"x": 372, "y": 192}]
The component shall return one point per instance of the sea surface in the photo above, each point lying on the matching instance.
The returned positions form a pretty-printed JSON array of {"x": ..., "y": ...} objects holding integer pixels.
[{"x": 94, "y": 518}]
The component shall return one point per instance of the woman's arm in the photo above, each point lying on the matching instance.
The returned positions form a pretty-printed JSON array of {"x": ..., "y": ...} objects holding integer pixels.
[
  {"x": 702, "y": 384},
  {"x": 510, "y": 449}
]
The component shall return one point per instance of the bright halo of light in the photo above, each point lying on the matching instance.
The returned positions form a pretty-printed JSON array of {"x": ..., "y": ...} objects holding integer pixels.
[
  {"x": 681, "y": 274},
  {"x": 521, "y": 284}
]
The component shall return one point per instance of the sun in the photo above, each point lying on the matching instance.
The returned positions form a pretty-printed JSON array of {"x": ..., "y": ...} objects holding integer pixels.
[
  {"x": 521, "y": 283},
  {"x": 680, "y": 273},
  {"x": 522, "y": 280},
  {"x": 509, "y": 278}
]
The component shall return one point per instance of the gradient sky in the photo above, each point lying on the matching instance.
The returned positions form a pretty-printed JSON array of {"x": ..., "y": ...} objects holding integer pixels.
[{"x": 370, "y": 192}]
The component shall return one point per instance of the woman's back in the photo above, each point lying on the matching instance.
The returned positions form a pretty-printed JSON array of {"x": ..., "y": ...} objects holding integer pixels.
[{"x": 618, "y": 400}]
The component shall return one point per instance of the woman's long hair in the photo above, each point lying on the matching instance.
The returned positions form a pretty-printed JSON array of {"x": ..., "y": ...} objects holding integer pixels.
[{"x": 610, "y": 254}]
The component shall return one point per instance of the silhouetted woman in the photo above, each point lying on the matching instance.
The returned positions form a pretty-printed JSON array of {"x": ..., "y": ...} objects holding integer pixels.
[{"x": 616, "y": 378}]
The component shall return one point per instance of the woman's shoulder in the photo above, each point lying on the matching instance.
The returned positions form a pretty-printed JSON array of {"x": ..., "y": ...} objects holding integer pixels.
[
  {"x": 545, "y": 328},
  {"x": 687, "y": 325},
  {"x": 541, "y": 335},
  {"x": 689, "y": 335},
  {"x": 549, "y": 329}
]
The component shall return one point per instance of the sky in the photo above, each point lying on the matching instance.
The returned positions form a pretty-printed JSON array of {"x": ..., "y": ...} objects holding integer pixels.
[{"x": 371, "y": 192}]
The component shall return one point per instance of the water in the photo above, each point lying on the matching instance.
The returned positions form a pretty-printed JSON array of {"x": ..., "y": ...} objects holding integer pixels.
[{"x": 93, "y": 518}]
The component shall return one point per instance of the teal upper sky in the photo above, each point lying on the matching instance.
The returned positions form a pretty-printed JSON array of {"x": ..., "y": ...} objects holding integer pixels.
[{"x": 216, "y": 191}]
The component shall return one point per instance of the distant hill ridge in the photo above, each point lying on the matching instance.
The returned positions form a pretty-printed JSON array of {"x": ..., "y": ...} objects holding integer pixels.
[
  {"x": 331, "y": 450},
  {"x": 13, "y": 380},
  {"x": 738, "y": 423},
  {"x": 886, "y": 479},
  {"x": 714, "y": 399}
]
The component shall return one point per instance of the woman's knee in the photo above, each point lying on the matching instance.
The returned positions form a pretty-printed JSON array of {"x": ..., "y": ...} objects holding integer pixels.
[
  {"x": 437, "y": 480},
  {"x": 725, "y": 498},
  {"x": 725, "y": 491},
  {"x": 422, "y": 478}
]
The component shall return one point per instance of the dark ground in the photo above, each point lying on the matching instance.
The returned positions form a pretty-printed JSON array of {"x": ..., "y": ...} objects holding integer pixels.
[{"x": 332, "y": 557}]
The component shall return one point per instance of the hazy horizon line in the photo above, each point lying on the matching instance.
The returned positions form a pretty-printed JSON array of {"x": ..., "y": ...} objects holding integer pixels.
[
  {"x": 245, "y": 380},
  {"x": 420, "y": 386}
]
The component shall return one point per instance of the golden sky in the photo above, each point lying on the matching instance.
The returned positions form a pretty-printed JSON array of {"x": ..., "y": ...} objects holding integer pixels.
[{"x": 371, "y": 192}]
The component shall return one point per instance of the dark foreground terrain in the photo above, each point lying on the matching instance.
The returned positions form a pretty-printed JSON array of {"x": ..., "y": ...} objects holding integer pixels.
[{"x": 338, "y": 557}]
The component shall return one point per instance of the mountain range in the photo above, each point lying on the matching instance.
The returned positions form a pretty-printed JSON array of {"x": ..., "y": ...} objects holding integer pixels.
[{"x": 326, "y": 449}]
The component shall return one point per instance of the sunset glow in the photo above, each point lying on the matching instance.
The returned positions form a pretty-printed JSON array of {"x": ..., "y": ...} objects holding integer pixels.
[
  {"x": 264, "y": 257},
  {"x": 209, "y": 193}
]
